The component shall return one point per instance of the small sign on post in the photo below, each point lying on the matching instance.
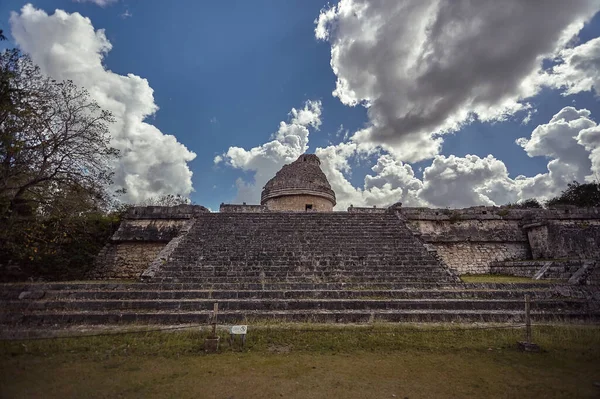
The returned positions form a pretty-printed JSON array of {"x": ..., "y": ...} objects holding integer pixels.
[{"x": 238, "y": 330}]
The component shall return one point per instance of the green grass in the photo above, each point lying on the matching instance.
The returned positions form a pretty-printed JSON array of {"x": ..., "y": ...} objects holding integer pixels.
[
  {"x": 500, "y": 278},
  {"x": 298, "y": 361}
]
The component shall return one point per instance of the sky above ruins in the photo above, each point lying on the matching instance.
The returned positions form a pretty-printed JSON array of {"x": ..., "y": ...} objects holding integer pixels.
[{"x": 427, "y": 102}]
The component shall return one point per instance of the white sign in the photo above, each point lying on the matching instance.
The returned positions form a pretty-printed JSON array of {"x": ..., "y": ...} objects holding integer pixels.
[{"x": 238, "y": 330}]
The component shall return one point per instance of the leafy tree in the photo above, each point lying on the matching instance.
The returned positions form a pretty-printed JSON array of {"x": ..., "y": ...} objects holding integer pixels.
[
  {"x": 577, "y": 194},
  {"x": 53, "y": 137},
  {"x": 54, "y": 174},
  {"x": 526, "y": 204},
  {"x": 61, "y": 246}
]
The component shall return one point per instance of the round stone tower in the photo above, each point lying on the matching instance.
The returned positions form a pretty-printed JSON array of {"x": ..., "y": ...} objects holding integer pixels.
[{"x": 299, "y": 186}]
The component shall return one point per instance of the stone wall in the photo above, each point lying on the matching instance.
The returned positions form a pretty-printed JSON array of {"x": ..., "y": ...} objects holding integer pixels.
[
  {"x": 356, "y": 209},
  {"x": 469, "y": 246},
  {"x": 235, "y": 208},
  {"x": 126, "y": 260},
  {"x": 467, "y": 240},
  {"x": 476, "y": 257},
  {"x": 557, "y": 239},
  {"x": 159, "y": 230},
  {"x": 298, "y": 203},
  {"x": 143, "y": 233},
  {"x": 470, "y": 239}
]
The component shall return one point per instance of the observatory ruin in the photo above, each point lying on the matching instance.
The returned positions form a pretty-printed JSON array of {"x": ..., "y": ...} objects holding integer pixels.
[{"x": 294, "y": 258}]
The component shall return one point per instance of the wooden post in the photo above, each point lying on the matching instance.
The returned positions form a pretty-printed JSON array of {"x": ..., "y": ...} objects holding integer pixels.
[
  {"x": 527, "y": 319},
  {"x": 215, "y": 313},
  {"x": 527, "y": 345},
  {"x": 211, "y": 344}
]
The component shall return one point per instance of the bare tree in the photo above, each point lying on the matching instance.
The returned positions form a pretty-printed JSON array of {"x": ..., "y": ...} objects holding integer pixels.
[{"x": 53, "y": 136}]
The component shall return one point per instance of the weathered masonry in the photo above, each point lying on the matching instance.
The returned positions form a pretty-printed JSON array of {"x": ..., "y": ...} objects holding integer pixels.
[
  {"x": 474, "y": 240},
  {"x": 299, "y": 186},
  {"x": 292, "y": 258},
  {"x": 141, "y": 237},
  {"x": 466, "y": 241}
]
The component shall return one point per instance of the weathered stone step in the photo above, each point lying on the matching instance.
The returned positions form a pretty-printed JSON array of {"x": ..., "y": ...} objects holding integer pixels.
[
  {"x": 305, "y": 279},
  {"x": 320, "y": 268},
  {"x": 555, "y": 270},
  {"x": 292, "y": 294},
  {"x": 281, "y": 294},
  {"x": 295, "y": 241},
  {"x": 83, "y": 286},
  {"x": 242, "y": 274},
  {"x": 345, "y": 316},
  {"x": 350, "y": 231},
  {"x": 290, "y": 304},
  {"x": 287, "y": 230},
  {"x": 308, "y": 258},
  {"x": 305, "y": 257}
]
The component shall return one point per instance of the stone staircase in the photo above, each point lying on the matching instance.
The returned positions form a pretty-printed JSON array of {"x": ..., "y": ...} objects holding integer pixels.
[
  {"x": 299, "y": 267},
  {"x": 301, "y": 247}
]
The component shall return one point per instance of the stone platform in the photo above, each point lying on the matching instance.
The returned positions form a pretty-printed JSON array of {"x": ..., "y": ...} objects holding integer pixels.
[
  {"x": 180, "y": 303},
  {"x": 301, "y": 267}
]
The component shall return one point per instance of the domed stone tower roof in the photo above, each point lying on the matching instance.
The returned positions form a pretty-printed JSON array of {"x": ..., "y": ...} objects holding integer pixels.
[{"x": 302, "y": 177}]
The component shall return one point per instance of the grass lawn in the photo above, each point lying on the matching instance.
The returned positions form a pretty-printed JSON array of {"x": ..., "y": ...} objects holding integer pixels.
[{"x": 384, "y": 361}]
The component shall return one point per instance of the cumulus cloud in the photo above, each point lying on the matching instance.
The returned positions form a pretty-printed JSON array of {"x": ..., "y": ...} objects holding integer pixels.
[
  {"x": 391, "y": 180},
  {"x": 101, "y": 3},
  {"x": 578, "y": 69},
  {"x": 66, "y": 46},
  {"x": 286, "y": 145},
  {"x": 424, "y": 68},
  {"x": 571, "y": 140},
  {"x": 467, "y": 181}
]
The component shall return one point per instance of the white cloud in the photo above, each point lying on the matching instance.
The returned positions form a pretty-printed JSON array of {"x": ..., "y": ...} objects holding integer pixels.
[
  {"x": 287, "y": 144},
  {"x": 578, "y": 69},
  {"x": 571, "y": 140},
  {"x": 66, "y": 46},
  {"x": 590, "y": 139},
  {"x": 428, "y": 67},
  {"x": 467, "y": 181},
  {"x": 101, "y": 3},
  {"x": 391, "y": 181}
]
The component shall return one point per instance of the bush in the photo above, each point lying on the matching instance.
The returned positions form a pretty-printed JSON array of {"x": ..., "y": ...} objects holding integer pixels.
[
  {"x": 53, "y": 248},
  {"x": 577, "y": 194},
  {"x": 525, "y": 204}
]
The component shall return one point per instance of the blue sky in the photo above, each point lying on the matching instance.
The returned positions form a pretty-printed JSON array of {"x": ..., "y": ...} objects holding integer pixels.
[{"x": 225, "y": 74}]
